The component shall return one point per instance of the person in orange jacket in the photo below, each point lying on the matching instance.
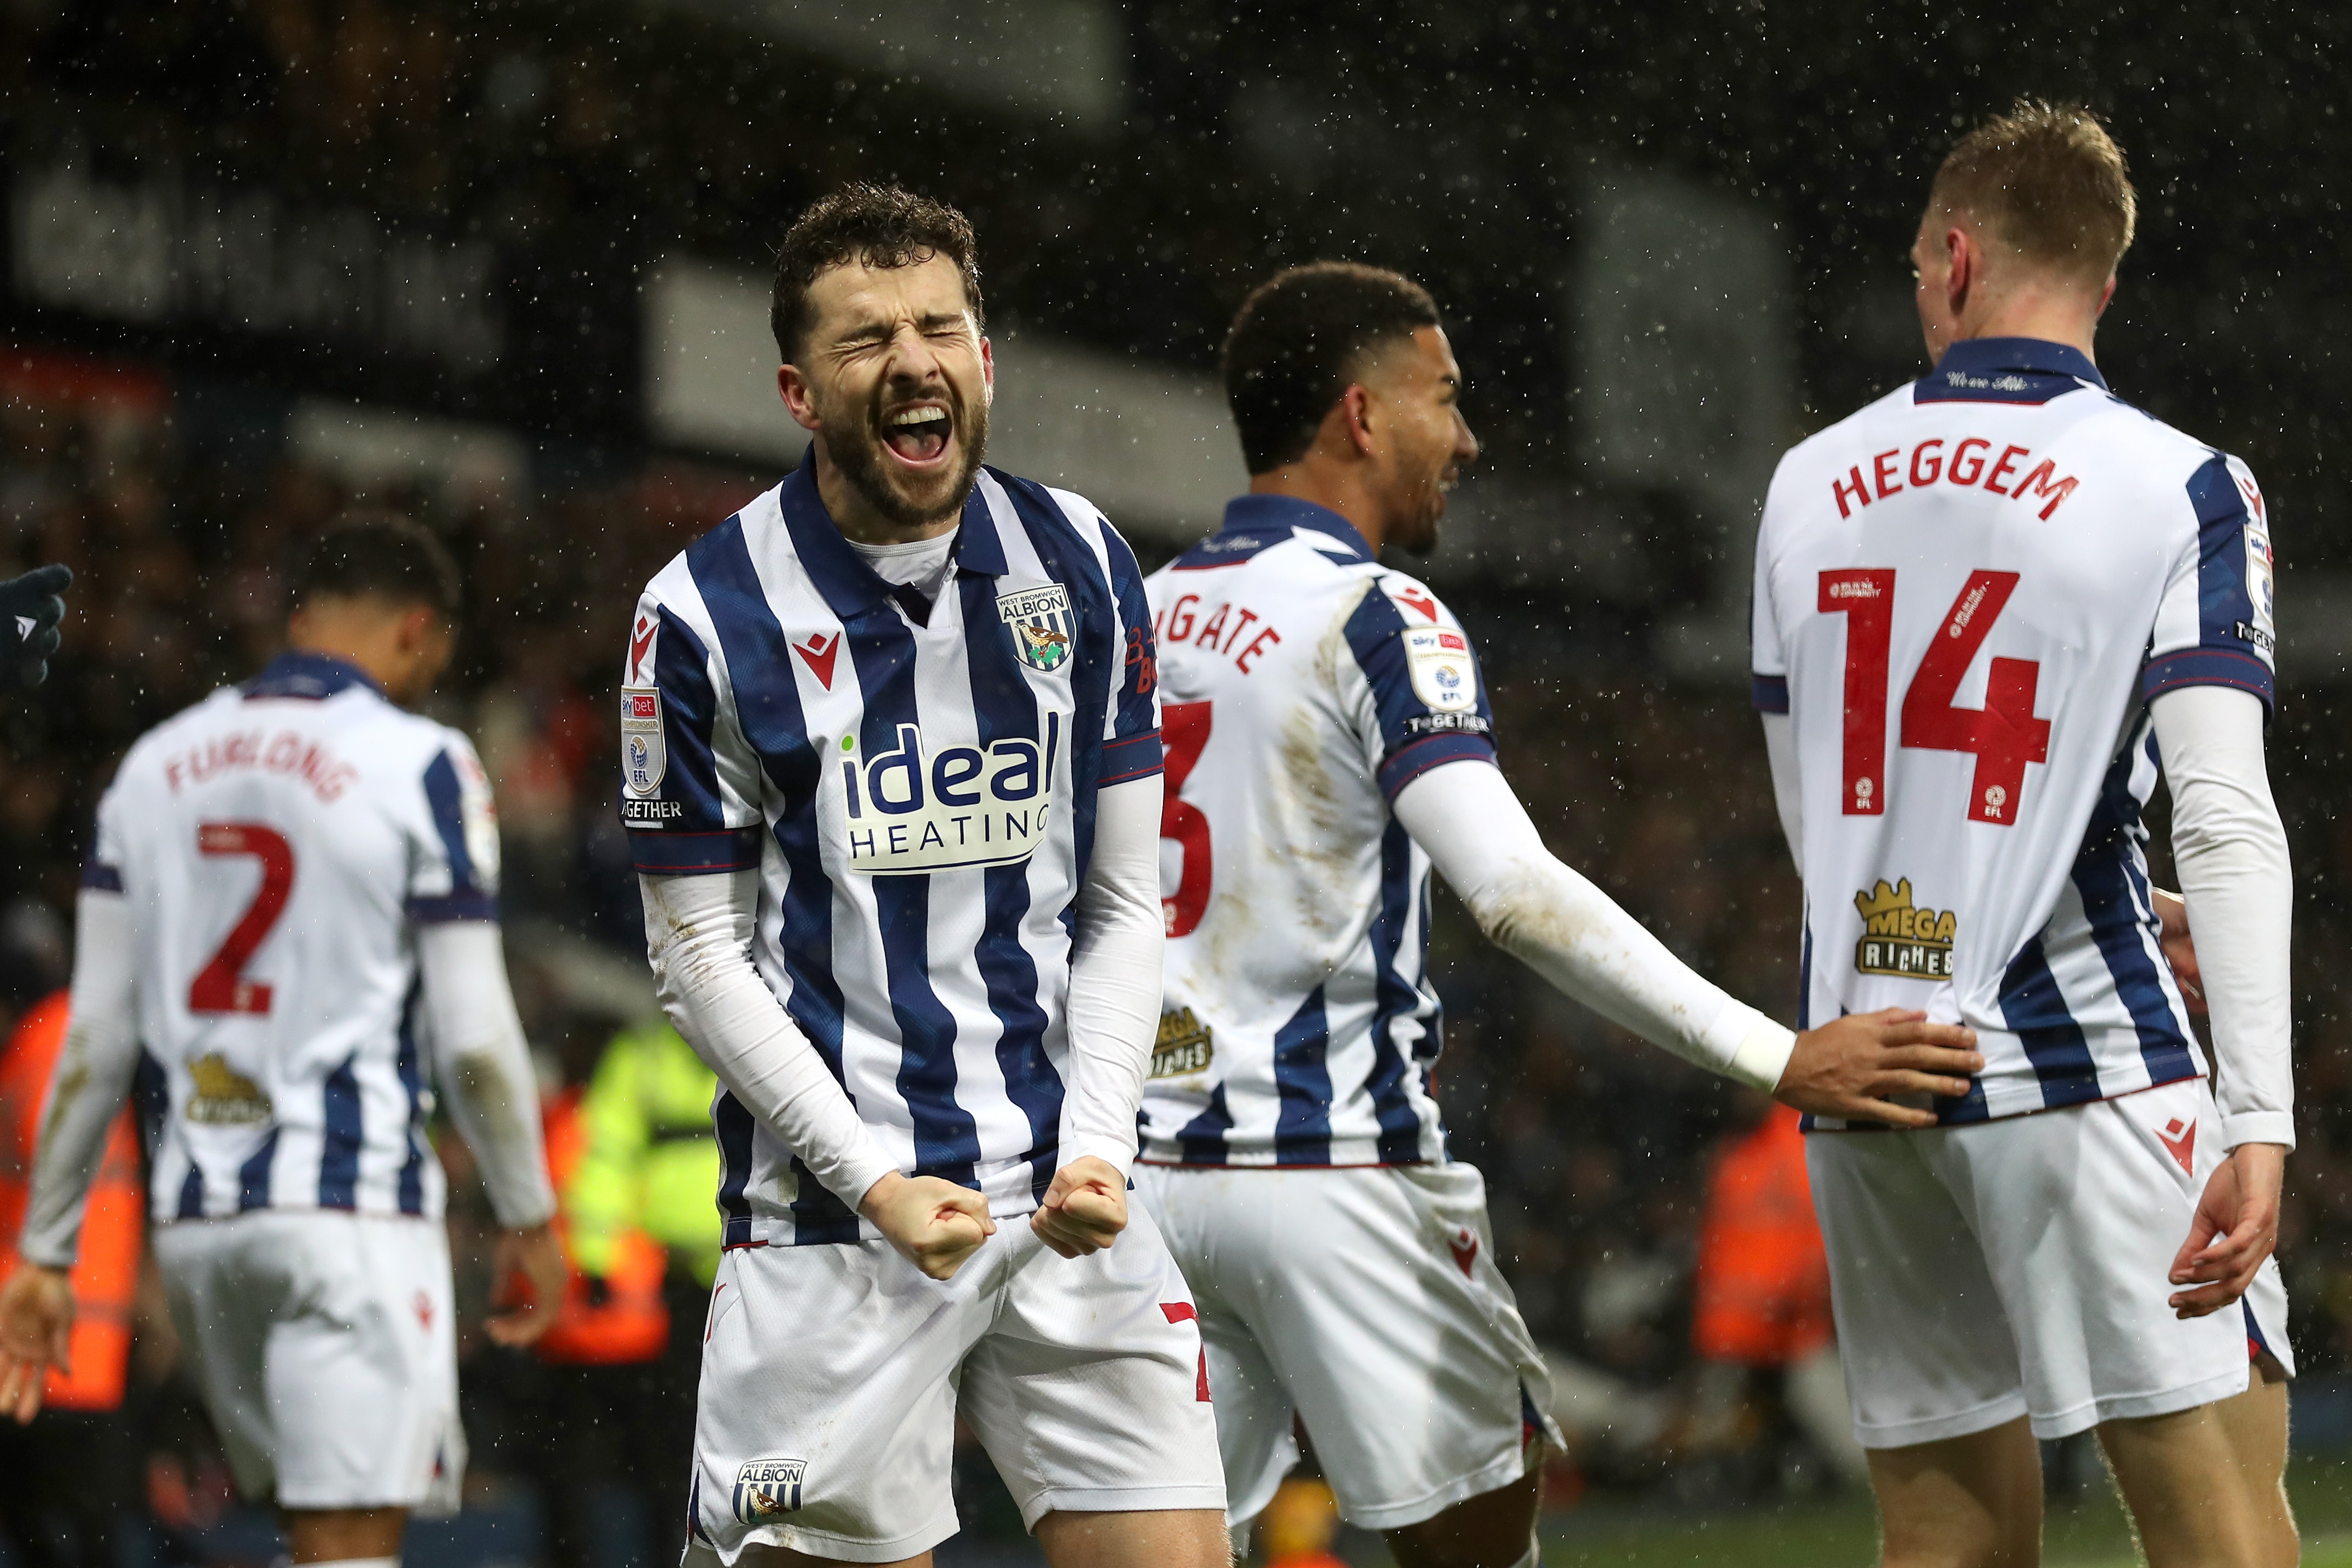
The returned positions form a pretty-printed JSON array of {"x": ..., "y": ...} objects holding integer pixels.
[
  {"x": 1762, "y": 1291},
  {"x": 63, "y": 1478}
]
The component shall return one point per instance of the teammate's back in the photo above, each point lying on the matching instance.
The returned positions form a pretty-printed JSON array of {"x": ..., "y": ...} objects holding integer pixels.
[
  {"x": 1956, "y": 591},
  {"x": 275, "y": 841},
  {"x": 1302, "y": 685}
]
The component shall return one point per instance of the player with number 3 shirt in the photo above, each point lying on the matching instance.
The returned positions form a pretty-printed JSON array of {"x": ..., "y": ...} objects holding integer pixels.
[
  {"x": 1990, "y": 608},
  {"x": 1329, "y": 742}
]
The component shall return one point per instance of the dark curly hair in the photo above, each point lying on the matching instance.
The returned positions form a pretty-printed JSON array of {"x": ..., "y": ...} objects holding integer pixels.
[
  {"x": 379, "y": 556},
  {"x": 1298, "y": 340},
  {"x": 877, "y": 226}
]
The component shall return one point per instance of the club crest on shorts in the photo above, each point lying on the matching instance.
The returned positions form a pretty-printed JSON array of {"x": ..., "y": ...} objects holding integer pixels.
[
  {"x": 766, "y": 1487},
  {"x": 1900, "y": 938},
  {"x": 645, "y": 753},
  {"x": 1043, "y": 629}
]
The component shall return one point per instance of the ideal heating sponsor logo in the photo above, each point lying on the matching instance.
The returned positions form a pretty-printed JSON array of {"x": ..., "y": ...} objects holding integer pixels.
[
  {"x": 1901, "y": 939},
  {"x": 906, "y": 810}
]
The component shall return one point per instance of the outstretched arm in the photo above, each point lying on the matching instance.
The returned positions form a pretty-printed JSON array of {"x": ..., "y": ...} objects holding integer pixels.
[
  {"x": 1114, "y": 1016},
  {"x": 1466, "y": 817},
  {"x": 91, "y": 1080},
  {"x": 698, "y": 936},
  {"x": 2231, "y": 849}
]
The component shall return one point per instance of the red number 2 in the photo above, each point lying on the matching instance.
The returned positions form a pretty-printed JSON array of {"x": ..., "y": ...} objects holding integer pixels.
[
  {"x": 221, "y": 986},
  {"x": 2004, "y": 735},
  {"x": 1184, "y": 731}
]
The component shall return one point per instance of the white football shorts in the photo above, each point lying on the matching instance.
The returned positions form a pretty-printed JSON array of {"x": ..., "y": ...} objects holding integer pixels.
[
  {"x": 2019, "y": 1267},
  {"x": 832, "y": 1375},
  {"x": 1367, "y": 1301},
  {"x": 326, "y": 1347}
]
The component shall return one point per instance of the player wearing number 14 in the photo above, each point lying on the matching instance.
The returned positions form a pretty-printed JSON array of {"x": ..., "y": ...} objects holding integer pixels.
[{"x": 1990, "y": 608}]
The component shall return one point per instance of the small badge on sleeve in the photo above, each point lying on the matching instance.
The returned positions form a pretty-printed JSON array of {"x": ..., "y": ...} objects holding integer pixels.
[
  {"x": 1443, "y": 675},
  {"x": 644, "y": 756}
]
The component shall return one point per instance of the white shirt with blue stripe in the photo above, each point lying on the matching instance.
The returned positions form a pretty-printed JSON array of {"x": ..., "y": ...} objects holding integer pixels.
[
  {"x": 277, "y": 844},
  {"x": 1966, "y": 595},
  {"x": 914, "y": 782},
  {"x": 1304, "y": 685}
]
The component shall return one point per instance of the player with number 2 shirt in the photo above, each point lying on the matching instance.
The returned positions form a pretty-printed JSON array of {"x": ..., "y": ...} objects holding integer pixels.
[
  {"x": 1329, "y": 741},
  {"x": 1990, "y": 608},
  {"x": 288, "y": 931}
]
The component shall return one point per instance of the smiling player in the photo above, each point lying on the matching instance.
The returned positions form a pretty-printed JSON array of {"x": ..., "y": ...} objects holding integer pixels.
[
  {"x": 891, "y": 775},
  {"x": 1330, "y": 740}
]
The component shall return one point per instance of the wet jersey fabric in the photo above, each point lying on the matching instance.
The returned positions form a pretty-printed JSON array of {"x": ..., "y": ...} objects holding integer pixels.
[
  {"x": 1966, "y": 595},
  {"x": 279, "y": 843},
  {"x": 1304, "y": 685},
  {"x": 915, "y": 779}
]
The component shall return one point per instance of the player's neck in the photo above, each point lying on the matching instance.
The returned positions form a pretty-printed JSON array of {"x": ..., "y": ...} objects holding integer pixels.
[
  {"x": 860, "y": 522},
  {"x": 1345, "y": 489},
  {"x": 2051, "y": 318}
]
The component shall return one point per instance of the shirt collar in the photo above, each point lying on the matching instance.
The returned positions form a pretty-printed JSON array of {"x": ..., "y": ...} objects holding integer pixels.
[
  {"x": 1279, "y": 514},
  {"x": 849, "y": 585},
  {"x": 313, "y": 676},
  {"x": 1980, "y": 355}
]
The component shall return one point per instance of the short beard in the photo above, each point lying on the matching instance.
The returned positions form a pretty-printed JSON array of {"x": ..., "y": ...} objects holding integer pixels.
[{"x": 856, "y": 450}]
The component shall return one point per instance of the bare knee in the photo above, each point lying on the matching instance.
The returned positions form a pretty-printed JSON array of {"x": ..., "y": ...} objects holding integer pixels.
[
  {"x": 1493, "y": 1530},
  {"x": 1965, "y": 1502}
]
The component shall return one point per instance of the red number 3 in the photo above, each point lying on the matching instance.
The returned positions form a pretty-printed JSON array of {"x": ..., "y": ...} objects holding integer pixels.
[
  {"x": 1184, "y": 731},
  {"x": 2004, "y": 735},
  {"x": 221, "y": 986}
]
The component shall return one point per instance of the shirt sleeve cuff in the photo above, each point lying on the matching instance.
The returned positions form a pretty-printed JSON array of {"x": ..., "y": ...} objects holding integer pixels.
[
  {"x": 2258, "y": 1126},
  {"x": 855, "y": 1174},
  {"x": 663, "y": 854},
  {"x": 1754, "y": 1049},
  {"x": 1769, "y": 693},
  {"x": 1117, "y": 1153}
]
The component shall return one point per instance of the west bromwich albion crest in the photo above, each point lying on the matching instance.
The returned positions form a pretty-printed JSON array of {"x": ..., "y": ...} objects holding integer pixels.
[
  {"x": 766, "y": 1487},
  {"x": 1042, "y": 624}
]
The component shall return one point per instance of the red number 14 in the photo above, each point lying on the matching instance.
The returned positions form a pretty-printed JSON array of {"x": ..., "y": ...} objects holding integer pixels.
[{"x": 2004, "y": 735}]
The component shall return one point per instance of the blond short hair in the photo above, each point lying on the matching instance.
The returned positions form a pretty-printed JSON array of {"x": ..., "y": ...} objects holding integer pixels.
[{"x": 2048, "y": 180}]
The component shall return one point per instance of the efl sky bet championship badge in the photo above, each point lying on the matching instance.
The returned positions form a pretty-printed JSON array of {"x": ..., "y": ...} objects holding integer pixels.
[
  {"x": 1042, "y": 624},
  {"x": 644, "y": 755},
  {"x": 766, "y": 1487},
  {"x": 1900, "y": 940},
  {"x": 1439, "y": 660}
]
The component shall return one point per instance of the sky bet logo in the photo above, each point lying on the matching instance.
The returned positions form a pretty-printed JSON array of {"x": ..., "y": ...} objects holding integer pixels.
[{"x": 905, "y": 812}]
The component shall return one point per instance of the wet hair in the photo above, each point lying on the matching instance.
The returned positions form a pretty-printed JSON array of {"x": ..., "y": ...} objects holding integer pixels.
[
  {"x": 382, "y": 557},
  {"x": 2047, "y": 179},
  {"x": 1297, "y": 341},
  {"x": 876, "y": 225}
]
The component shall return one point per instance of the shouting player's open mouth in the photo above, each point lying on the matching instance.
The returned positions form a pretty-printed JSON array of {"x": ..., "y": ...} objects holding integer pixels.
[{"x": 919, "y": 435}]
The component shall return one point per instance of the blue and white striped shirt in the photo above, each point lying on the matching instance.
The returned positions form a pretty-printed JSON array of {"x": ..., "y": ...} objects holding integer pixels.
[{"x": 915, "y": 784}]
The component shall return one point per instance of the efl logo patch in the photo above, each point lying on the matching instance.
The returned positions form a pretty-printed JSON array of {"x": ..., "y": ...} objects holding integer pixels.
[
  {"x": 1439, "y": 661},
  {"x": 1042, "y": 624},
  {"x": 644, "y": 754},
  {"x": 766, "y": 1487},
  {"x": 1898, "y": 939}
]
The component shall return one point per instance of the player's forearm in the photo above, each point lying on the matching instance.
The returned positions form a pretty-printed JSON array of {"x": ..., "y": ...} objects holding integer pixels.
[
  {"x": 2230, "y": 851},
  {"x": 92, "y": 1077},
  {"x": 698, "y": 935},
  {"x": 1541, "y": 912},
  {"x": 1114, "y": 1009},
  {"x": 484, "y": 1065}
]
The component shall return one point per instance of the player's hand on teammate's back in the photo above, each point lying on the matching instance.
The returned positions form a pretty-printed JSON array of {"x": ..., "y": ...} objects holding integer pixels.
[
  {"x": 2180, "y": 951},
  {"x": 935, "y": 1225},
  {"x": 536, "y": 1257},
  {"x": 36, "y": 1313},
  {"x": 2235, "y": 1229},
  {"x": 1856, "y": 1067},
  {"x": 30, "y": 609},
  {"x": 1085, "y": 1209}
]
